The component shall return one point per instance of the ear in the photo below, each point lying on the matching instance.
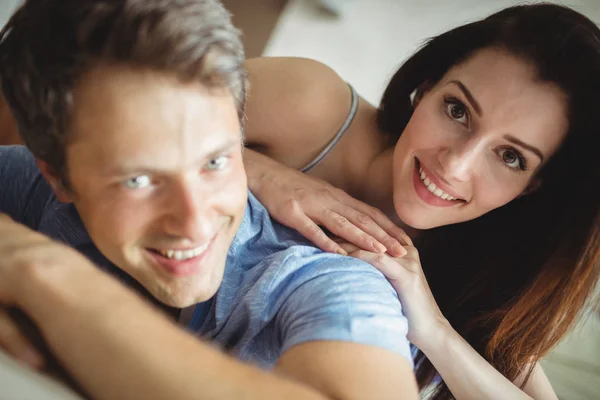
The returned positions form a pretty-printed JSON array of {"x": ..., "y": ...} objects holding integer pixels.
[
  {"x": 532, "y": 187},
  {"x": 54, "y": 181},
  {"x": 419, "y": 93}
]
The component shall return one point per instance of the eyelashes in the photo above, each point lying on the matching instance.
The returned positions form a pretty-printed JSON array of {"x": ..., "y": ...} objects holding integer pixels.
[
  {"x": 510, "y": 156},
  {"x": 459, "y": 112}
]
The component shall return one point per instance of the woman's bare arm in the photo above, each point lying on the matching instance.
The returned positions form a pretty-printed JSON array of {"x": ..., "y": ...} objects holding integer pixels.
[{"x": 295, "y": 106}]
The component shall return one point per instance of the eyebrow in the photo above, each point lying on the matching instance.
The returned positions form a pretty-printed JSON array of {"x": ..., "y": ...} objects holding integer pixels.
[
  {"x": 218, "y": 150},
  {"x": 529, "y": 147},
  {"x": 224, "y": 147},
  {"x": 469, "y": 96},
  {"x": 479, "y": 111}
]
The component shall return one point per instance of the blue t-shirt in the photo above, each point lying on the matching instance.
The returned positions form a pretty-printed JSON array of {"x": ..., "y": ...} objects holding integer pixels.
[{"x": 277, "y": 290}]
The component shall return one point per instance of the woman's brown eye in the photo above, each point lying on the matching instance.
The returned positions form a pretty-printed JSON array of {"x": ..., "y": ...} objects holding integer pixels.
[
  {"x": 513, "y": 159},
  {"x": 457, "y": 111},
  {"x": 509, "y": 157}
]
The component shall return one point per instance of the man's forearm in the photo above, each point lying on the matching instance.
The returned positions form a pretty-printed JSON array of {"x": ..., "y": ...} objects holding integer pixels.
[{"x": 118, "y": 347}]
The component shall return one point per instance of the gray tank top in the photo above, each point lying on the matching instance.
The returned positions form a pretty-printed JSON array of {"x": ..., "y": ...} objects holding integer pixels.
[{"x": 338, "y": 135}]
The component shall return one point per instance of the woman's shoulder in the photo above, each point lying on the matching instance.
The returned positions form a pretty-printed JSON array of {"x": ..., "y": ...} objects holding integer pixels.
[
  {"x": 295, "y": 107},
  {"x": 296, "y": 79}
]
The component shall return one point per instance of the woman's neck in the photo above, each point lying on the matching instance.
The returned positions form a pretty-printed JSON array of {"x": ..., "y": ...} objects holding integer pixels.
[
  {"x": 376, "y": 183},
  {"x": 376, "y": 187},
  {"x": 362, "y": 165}
]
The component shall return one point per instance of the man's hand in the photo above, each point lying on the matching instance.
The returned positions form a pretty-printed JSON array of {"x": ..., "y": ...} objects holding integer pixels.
[
  {"x": 24, "y": 253},
  {"x": 14, "y": 342}
]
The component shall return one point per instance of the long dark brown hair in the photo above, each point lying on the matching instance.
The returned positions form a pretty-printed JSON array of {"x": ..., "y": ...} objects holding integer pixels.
[{"x": 515, "y": 280}]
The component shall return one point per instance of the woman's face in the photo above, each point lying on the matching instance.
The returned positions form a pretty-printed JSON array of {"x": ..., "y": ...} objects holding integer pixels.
[{"x": 476, "y": 140}]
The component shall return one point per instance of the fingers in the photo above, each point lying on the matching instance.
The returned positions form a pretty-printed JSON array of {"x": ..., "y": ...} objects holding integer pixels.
[
  {"x": 374, "y": 222},
  {"x": 16, "y": 344},
  {"x": 391, "y": 268},
  {"x": 373, "y": 231},
  {"x": 394, "y": 269},
  {"x": 359, "y": 223},
  {"x": 310, "y": 230},
  {"x": 344, "y": 225},
  {"x": 349, "y": 247},
  {"x": 384, "y": 222},
  {"x": 412, "y": 253}
]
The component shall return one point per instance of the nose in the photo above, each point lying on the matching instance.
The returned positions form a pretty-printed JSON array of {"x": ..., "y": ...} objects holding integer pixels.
[
  {"x": 459, "y": 160},
  {"x": 190, "y": 214}
]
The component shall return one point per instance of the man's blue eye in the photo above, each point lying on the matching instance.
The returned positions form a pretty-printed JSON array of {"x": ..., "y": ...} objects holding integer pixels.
[
  {"x": 217, "y": 163},
  {"x": 137, "y": 182}
]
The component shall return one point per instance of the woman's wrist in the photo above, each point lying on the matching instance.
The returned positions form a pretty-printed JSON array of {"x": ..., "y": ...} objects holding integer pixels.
[
  {"x": 254, "y": 163},
  {"x": 437, "y": 338}
]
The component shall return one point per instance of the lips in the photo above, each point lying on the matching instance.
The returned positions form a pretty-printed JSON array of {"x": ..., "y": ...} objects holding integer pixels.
[
  {"x": 182, "y": 262},
  {"x": 431, "y": 190},
  {"x": 183, "y": 254}
]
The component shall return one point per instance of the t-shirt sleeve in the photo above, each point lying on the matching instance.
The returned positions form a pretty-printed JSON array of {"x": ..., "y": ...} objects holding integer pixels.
[
  {"x": 344, "y": 299},
  {"x": 23, "y": 191}
]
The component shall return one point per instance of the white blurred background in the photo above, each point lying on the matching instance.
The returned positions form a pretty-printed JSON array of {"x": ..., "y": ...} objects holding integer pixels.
[{"x": 372, "y": 37}]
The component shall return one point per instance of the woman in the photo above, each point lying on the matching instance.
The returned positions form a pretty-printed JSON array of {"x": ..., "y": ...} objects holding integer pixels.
[{"x": 484, "y": 148}]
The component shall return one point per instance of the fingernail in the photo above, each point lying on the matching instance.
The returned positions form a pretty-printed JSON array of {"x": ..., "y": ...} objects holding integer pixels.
[
  {"x": 341, "y": 251},
  {"x": 379, "y": 248},
  {"x": 31, "y": 358},
  {"x": 399, "y": 250}
]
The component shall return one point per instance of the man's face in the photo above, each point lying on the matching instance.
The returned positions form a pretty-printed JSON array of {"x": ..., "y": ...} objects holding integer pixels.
[{"x": 156, "y": 174}]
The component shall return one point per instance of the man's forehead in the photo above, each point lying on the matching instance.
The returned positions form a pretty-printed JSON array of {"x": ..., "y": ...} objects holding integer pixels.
[{"x": 151, "y": 122}]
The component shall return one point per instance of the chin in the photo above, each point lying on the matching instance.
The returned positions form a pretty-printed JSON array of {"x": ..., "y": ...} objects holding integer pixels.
[
  {"x": 183, "y": 296},
  {"x": 419, "y": 224},
  {"x": 181, "y": 303},
  {"x": 185, "y": 300},
  {"x": 412, "y": 216}
]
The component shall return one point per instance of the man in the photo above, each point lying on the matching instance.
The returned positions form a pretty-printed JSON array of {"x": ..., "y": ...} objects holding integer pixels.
[{"x": 131, "y": 110}]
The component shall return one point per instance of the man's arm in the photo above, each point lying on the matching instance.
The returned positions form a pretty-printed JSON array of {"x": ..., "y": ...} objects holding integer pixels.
[
  {"x": 345, "y": 370},
  {"x": 344, "y": 332},
  {"x": 117, "y": 346}
]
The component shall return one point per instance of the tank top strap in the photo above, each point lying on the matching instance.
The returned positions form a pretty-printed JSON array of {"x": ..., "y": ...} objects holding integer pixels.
[{"x": 338, "y": 136}]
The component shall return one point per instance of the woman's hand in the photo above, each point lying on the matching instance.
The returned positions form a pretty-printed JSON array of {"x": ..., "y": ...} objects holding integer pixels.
[
  {"x": 406, "y": 276},
  {"x": 305, "y": 204}
]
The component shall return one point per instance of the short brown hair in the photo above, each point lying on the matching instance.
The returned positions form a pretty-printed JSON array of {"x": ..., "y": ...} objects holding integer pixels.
[{"x": 47, "y": 45}]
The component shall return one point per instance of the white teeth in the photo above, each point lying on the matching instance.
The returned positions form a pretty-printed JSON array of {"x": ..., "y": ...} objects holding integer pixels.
[
  {"x": 434, "y": 189},
  {"x": 181, "y": 255}
]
